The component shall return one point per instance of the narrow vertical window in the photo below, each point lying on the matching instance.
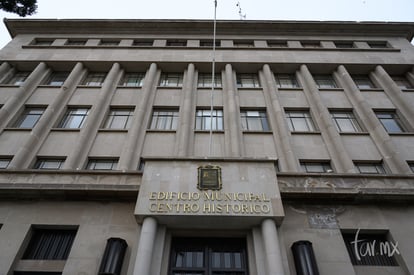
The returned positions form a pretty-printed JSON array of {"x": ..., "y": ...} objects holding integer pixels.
[
  {"x": 102, "y": 164},
  {"x": 57, "y": 78},
  {"x": 4, "y": 162},
  {"x": 315, "y": 167},
  {"x": 363, "y": 82},
  {"x": 370, "y": 167},
  {"x": 18, "y": 78},
  {"x": 49, "y": 164}
]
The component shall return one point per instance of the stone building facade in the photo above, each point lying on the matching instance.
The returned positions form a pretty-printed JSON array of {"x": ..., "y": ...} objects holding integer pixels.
[{"x": 115, "y": 130}]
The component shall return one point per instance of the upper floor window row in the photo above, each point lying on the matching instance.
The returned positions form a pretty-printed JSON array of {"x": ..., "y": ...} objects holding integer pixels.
[{"x": 208, "y": 43}]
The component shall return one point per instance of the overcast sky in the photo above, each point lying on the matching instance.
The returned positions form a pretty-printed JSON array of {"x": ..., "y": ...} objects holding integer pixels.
[{"x": 321, "y": 10}]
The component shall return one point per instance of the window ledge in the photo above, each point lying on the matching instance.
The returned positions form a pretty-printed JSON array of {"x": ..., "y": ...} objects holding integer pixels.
[
  {"x": 113, "y": 130},
  {"x": 331, "y": 89},
  {"x": 402, "y": 134},
  {"x": 410, "y": 90},
  {"x": 257, "y": 132},
  {"x": 130, "y": 87},
  {"x": 89, "y": 87},
  {"x": 299, "y": 89},
  {"x": 18, "y": 129},
  {"x": 66, "y": 129},
  {"x": 160, "y": 131},
  {"x": 49, "y": 86},
  {"x": 208, "y": 131},
  {"x": 250, "y": 88},
  {"x": 209, "y": 88},
  {"x": 9, "y": 86},
  {"x": 372, "y": 90},
  {"x": 354, "y": 133},
  {"x": 305, "y": 133}
]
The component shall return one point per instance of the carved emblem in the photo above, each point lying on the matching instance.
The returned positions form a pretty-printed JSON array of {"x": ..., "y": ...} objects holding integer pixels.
[{"x": 209, "y": 177}]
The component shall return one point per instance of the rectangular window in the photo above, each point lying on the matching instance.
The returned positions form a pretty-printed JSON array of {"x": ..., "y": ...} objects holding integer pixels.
[
  {"x": 254, "y": 121},
  {"x": 344, "y": 44},
  {"x": 74, "y": 118},
  {"x": 143, "y": 43},
  {"x": 119, "y": 118},
  {"x": 345, "y": 122},
  {"x": 363, "y": 82},
  {"x": 378, "y": 44},
  {"x": 57, "y": 78},
  {"x": 164, "y": 120},
  {"x": 49, "y": 164},
  {"x": 102, "y": 164},
  {"x": 4, "y": 162},
  {"x": 316, "y": 167},
  {"x": 132, "y": 80},
  {"x": 410, "y": 163},
  {"x": 325, "y": 82},
  {"x": 370, "y": 249},
  {"x": 402, "y": 82},
  {"x": 207, "y": 120},
  {"x": 176, "y": 43},
  {"x": 390, "y": 121},
  {"x": 248, "y": 81},
  {"x": 205, "y": 80},
  {"x": 311, "y": 44},
  {"x": 109, "y": 43},
  {"x": 29, "y": 118},
  {"x": 171, "y": 80},
  {"x": 76, "y": 42},
  {"x": 277, "y": 44},
  {"x": 284, "y": 81},
  {"x": 300, "y": 121},
  {"x": 49, "y": 244},
  {"x": 243, "y": 43},
  {"x": 43, "y": 42},
  {"x": 202, "y": 256},
  {"x": 370, "y": 168},
  {"x": 209, "y": 43},
  {"x": 18, "y": 78},
  {"x": 94, "y": 79}
]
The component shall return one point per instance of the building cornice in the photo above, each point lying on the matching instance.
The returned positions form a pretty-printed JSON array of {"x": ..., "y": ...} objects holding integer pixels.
[{"x": 224, "y": 27}]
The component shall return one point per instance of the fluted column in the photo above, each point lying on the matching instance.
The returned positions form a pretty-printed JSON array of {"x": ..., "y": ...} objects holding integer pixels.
[
  {"x": 398, "y": 98},
  {"x": 382, "y": 140},
  {"x": 272, "y": 248},
  {"x": 232, "y": 134},
  {"x": 29, "y": 149},
  {"x": 131, "y": 151},
  {"x": 339, "y": 155},
  {"x": 145, "y": 247},
  {"x": 281, "y": 135},
  {"x": 87, "y": 134},
  {"x": 19, "y": 98},
  {"x": 185, "y": 131}
]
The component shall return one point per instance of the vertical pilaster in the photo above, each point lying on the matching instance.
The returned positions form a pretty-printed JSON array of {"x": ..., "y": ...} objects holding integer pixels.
[
  {"x": 87, "y": 133},
  {"x": 272, "y": 248},
  {"x": 185, "y": 131},
  {"x": 145, "y": 246},
  {"x": 131, "y": 152},
  {"x": 339, "y": 155},
  {"x": 398, "y": 98},
  {"x": 18, "y": 99},
  {"x": 232, "y": 134},
  {"x": 410, "y": 77},
  {"x": 382, "y": 140},
  {"x": 5, "y": 68},
  {"x": 28, "y": 151},
  {"x": 281, "y": 135}
]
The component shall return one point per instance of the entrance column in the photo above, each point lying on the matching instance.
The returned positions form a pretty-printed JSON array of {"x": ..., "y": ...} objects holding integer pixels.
[
  {"x": 145, "y": 246},
  {"x": 272, "y": 248}
]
